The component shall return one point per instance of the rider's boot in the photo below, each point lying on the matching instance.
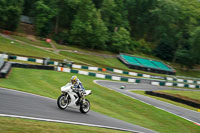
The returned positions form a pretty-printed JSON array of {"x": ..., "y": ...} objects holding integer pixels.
[{"x": 80, "y": 95}]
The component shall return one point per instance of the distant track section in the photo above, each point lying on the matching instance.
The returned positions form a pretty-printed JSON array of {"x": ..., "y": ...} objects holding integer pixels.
[{"x": 179, "y": 111}]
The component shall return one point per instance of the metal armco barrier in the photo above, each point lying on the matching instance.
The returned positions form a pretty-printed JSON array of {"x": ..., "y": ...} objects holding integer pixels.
[
  {"x": 1, "y": 61},
  {"x": 5, "y": 67},
  {"x": 21, "y": 65}
]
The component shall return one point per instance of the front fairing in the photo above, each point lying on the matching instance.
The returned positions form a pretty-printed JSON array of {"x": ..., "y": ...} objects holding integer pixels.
[{"x": 66, "y": 88}]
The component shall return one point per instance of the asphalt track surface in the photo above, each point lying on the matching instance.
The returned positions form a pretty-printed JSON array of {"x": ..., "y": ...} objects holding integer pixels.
[
  {"x": 190, "y": 115},
  {"x": 16, "y": 104}
]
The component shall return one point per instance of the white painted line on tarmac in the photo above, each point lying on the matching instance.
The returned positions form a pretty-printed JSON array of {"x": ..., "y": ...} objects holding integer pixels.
[{"x": 26, "y": 93}]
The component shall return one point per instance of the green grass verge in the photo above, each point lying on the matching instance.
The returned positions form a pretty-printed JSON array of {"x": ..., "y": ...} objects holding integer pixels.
[
  {"x": 26, "y": 50},
  {"x": 96, "y": 60},
  {"x": 167, "y": 100},
  {"x": 33, "y": 42},
  {"x": 103, "y": 100},
  {"x": 70, "y": 47},
  {"x": 190, "y": 94},
  {"x": 20, "y": 49},
  {"x": 187, "y": 73},
  {"x": 16, "y": 125}
]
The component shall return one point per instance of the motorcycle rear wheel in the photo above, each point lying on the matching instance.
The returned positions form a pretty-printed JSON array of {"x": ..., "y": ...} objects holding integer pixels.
[
  {"x": 85, "y": 107},
  {"x": 62, "y": 102}
]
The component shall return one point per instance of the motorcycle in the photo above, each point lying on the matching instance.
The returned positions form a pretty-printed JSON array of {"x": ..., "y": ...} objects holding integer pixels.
[{"x": 70, "y": 98}]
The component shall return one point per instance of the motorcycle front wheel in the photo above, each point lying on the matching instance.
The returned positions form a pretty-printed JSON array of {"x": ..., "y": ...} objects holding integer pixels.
[
  {"x": 62, "y": 102},
  {"x": 85, "y": 106}
]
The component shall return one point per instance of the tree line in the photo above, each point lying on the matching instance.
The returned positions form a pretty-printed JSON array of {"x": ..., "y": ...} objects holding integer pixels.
[{"x": 168, "y": 29}]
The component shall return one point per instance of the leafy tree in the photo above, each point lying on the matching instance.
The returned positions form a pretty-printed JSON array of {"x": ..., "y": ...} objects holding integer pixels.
[
  {"x": 66, "y": 12},
  {"x": 29, "y": 7},
  {"x": 195, "y": 42},
  {"x": 164, "y": 18},
  {"x": 184, "y": 58},
  {"x": 43, "y": 18},
  {"x": 114, "y": 14},
  {"x": 139, "y": 16},
  {"x": 88, "y": 29},
  {"x": 122, "y": 16},
  {"x": 121, "y": 41},
  {"x": 143, "y": 47},
  {"x": 98, "y": 3},
  {"x": 167, "y": 20},
  {"x": 108, "y": 14},
  {"x": 165, "y": 49},
  {"x": 10, "y": 11}
]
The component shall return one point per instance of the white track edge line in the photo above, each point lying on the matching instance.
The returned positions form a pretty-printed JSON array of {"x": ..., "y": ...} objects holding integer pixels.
[
  {"x": 153, "y": 105},
  {"x": 147, "y": 96},
  {"x": 28, "y": 93},
  {"x": 167, "y": 103},
  {"x": 58, "y": 120},
  {"x": 67, "y": 122}
]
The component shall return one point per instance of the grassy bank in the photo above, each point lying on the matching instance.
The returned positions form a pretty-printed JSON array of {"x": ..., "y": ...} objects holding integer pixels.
[
  {"x": 76, "y": 48},
  {"x": 103, "y": 100},
  {"x": 16, "y": 125},
  {"x": 18, "y": 48},
  {"x": 26, "y": 50},
  {"x": 32, "y": 41},
  {"x": 97, "y": 60},
  {"x": 192, "y": 94},
  {"x": 187, "y": 73}
]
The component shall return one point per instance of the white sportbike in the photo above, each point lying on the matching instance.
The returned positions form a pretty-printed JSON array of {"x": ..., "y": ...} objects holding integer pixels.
[{"x": 70, "y": 98}]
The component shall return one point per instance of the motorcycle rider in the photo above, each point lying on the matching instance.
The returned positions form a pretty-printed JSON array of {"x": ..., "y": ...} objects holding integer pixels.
[{"x": 78, "y": 85}]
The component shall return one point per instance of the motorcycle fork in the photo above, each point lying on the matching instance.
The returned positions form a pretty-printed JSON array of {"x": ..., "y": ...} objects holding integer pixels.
[
  {"x": 83, "y": 99},
  {"x": 66, "y": 97}
]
